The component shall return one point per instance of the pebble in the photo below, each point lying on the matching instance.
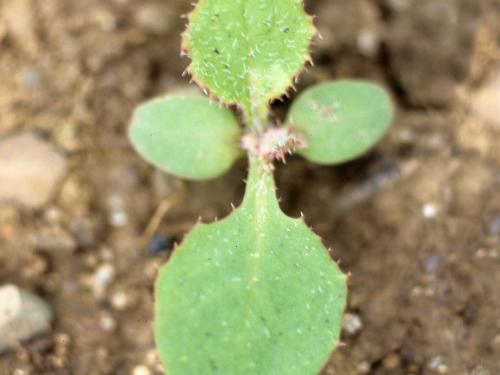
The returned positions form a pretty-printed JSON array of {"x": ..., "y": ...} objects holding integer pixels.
[
  {"x": 432, "y": 262},
  {"x": 154, "y": 18},
  {"x": 53, "y": 238},
  {"x": 30, "y": 77},
  {"x": 85, "y": 230},
  {"x": 158, "y": 244},
  {"x": 437, "y": 364},
  {"x": 120, "y": 301},
  {"x": 108, "y": 323},
  {"x": 141, "y": 370},
  {"x": 485, "y": 101},
  {"x": 30, "y": 168},
  {"x": 429, "y": 210},
  {"x": 494, "y": 225},
  {"x": 381, "y": 178},
  {"x": 117, "y": 216},
  {"x": 20, "y": 22},
  {"x": 352, "y": 324},
  {"x": 399, "y": 5},
  {"x": 363, "y": 367},
  {"x": 480, "y": 370},
  {"x": 368, "y": 42},
  {"x": 22, "y": 316},
  {"x": 102, "y": 277},
  {"x": 392, "y": 361}
]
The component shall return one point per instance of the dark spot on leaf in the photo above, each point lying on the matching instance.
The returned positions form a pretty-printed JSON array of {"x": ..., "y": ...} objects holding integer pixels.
[
  {"x": 216, "y": 51},
  {"x": 286, "y": 29}
]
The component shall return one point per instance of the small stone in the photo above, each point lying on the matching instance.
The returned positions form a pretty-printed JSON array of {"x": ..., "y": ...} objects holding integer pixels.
[
  {"x": 22, "y": 316},
  {"x": 352, "y": 324},
  {"x": 85, "y": 230},
  {"x": 363, "y": 367},
  {"x": 437, "y": 364},
  {"x": 485, "y": 101},
  {"x": 36, "y": 266},
  {"x": 141, "y": 370},
  {"x": 20, "y": 22},
  {"x": 53, "y": 238},
  {"x": 429, "y": 210},
  {"x": 432, "y": 262},
  {"x": 154, "y": 18},
  {"x": 120, "y": 300},
  {"x": 494, "y": 225},
  {"x": 53, "y": 215},
  {"x": 399, "y": 5},
  {"x": 102, "y": 277},
  {"x": 368, "y": 42},
  {"x": 10, "y": 222},
  {"x": 29, "y": 170},
  {"x": 108, "y": 323},
  {"x": 480, "y": 370},
  {"x": 392, "y": 361},
  {"x": 158, "y": 244},
  {"x": 105, "y": 19},
  {"x": 117, "y": 216},
  {"x": 68, "y": 136},
  {"x": 75, "y": 195},
  {"x": 30, "y": 77}
]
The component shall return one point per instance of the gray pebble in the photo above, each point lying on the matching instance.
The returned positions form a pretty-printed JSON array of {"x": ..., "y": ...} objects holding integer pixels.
[
  {"x": 480, "y": 370},
  {"x": 352, "y": 324},
  {"x": 494, "y": 225},
  {"x": 22, "y": 316}
]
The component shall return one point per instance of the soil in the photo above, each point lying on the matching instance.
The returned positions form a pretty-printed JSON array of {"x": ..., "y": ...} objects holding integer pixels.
[{"x": 416, "y": 222}]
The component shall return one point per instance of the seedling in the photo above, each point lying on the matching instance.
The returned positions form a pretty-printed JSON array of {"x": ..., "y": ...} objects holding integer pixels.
[{"x": 256, "y": 293}]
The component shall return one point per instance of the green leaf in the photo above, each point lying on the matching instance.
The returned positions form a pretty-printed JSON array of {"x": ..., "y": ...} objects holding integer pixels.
[
  {"x": 254, "y": 294},
  {"x": 341, "y": 120},
  {"x": 247, "y": 51},
  {"x": 188, "y": 136}
]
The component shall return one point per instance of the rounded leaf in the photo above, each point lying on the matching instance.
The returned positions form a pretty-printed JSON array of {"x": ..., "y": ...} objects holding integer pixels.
[
  {"x": 248, "y": 51},
  {"x": 254, "y": 294},
  {"x": 341, "y": 120},
  {"x": 188, "y": 136}
]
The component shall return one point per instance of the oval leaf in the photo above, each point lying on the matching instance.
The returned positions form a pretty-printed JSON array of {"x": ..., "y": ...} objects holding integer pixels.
[
  {"x": 254, "y": 294},
  {"x": 341, "y": 120},
  {"x": 247, "y": 51},
  {"x": 188, "y": 136}
]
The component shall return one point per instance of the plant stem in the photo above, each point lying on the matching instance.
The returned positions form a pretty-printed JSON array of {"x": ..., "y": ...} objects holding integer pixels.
[
  {"x": 256, "y": 117},
  {"x": 260, "y": 186}
]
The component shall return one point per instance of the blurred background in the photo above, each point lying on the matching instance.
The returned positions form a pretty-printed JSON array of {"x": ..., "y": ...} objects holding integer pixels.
[{"x": 416, "y": 222}]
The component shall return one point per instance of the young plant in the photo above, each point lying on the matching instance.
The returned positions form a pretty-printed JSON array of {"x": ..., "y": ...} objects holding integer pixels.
[{"x": 256, "y": 293}]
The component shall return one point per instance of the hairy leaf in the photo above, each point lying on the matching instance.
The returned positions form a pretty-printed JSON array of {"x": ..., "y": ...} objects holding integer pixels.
[
  {"x": 247, "y": 51},
  {"x": 254, "y": 294},
  {"x": 188, "y": 136},
  {"x": 341, "y": 120}
]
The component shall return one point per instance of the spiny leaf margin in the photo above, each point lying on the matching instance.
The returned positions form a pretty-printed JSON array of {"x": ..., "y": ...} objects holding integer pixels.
[
  {"x": 213, "y": 315},
  {"x": 257, "y": 105}
]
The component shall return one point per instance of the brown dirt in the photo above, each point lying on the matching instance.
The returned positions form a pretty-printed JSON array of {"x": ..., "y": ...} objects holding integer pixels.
[{"x": 424, "y": 286}]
